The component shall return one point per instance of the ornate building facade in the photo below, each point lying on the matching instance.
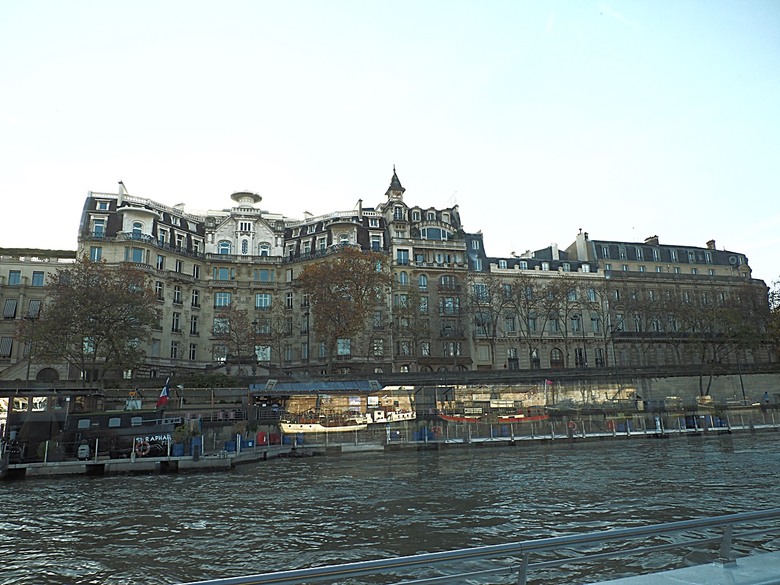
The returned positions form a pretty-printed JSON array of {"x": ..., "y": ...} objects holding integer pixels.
[{"x": 595, "y": 304}]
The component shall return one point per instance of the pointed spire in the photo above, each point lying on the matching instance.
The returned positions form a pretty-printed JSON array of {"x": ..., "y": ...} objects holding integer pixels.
[{"x": 395, "y": 191}]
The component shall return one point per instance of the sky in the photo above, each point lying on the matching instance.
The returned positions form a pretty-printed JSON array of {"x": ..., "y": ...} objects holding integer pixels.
[{"x": 538, "y": 118}]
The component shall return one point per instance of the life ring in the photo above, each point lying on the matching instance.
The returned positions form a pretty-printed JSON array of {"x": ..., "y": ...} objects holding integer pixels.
[
  {"x": 142, "y": 448},
  {"x": 572, "y": 425},
  {"x": 610, "y": 425}
]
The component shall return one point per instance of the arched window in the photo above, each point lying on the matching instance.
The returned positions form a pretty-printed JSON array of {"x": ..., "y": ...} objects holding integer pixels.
[
  {"x": 343, "y": 239},
  {"x": 264, "y": 249},
  {"x": 224, "y": 247},
  {"x": 245, "y": 246},
  {"x": 422, "y": 282},
  {"x": 556, "y": 358},
  {"x": 138, "y": 229},
  {"x": 403, "y": 278}
]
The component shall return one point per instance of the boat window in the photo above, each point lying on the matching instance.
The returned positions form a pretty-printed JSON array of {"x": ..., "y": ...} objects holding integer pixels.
[
  {"x": 114, "y": 421},
  {"x": 84, "y": 423},
  {"x": 136, "y": 421}
]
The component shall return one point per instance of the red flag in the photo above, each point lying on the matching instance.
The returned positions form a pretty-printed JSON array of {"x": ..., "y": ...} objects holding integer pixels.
[{"x": 163, "y": 399}]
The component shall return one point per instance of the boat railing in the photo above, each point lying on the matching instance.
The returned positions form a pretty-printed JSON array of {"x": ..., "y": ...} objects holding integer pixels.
[{"x": 516, "y": 557}]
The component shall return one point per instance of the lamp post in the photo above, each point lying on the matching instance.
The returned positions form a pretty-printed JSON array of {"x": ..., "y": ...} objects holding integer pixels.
[
  {"x": 31, "y": 318},
  {"x": 254, "y": 348}
]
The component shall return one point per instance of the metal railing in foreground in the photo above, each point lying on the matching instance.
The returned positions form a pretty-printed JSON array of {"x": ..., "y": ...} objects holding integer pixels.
[{"x": 518, "y": 554}]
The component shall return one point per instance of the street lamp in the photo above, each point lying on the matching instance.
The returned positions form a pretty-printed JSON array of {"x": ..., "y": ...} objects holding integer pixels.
[
  {"x": 254, "y": 347},
  {"x": 31, "y": 335}
]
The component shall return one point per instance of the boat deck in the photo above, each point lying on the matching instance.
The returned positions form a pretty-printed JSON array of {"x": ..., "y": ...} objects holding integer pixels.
[{"x": 758, "y": 569}]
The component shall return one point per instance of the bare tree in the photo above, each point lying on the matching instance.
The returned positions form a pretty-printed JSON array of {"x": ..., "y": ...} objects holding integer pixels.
[
  {"x": 97, "y": 319},
  {"x": 233, "y": 330},
  {"x": 343, "y": 290}
]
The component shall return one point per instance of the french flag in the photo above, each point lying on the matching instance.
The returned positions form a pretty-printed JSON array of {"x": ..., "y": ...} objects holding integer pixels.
[{"x": 163, "y": 399}]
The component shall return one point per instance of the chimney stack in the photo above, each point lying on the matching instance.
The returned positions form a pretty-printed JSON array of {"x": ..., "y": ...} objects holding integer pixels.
[{"x": 711, "y": 245}]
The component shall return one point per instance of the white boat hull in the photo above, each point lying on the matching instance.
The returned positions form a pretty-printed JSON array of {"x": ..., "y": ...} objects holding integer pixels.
[{"x": 291, "y": 428}]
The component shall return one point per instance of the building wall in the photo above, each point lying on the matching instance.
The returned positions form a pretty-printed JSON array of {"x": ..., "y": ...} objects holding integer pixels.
[{"x": 434, "y": 318}]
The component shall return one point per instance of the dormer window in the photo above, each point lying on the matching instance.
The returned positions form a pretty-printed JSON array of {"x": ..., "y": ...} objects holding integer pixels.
[
  {"x": 445, "y": 217},
  {"x": 373, "y": 222},
  {"x": 264, "y": 249},
  {"x": 343, "y": 239},
  {"x": 245, "y": 226},
  {"x": 431, "y": 216},
  {"x": 502, "y": 263},
  {"x": 398, "y": 212},
  {"x": 138, "y": 229},
  {"x": 101, "y": 205},
  {"x": 175, "y": 220},
  {"x": 224, "y": 247},
  {"x": 415, "y": 215}
]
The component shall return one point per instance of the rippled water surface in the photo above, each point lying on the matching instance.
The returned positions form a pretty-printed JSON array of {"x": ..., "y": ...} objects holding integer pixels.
[{"x": 292, "y": 513}]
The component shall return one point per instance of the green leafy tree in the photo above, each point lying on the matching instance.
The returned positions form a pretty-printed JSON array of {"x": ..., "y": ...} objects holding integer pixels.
[{"x": 97, "y": 319}]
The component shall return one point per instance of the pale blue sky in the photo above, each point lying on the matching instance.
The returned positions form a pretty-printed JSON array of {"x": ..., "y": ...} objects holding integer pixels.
[{"x": 625, "y": 119}]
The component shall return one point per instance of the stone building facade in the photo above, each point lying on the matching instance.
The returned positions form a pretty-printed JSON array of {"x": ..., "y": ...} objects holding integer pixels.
[{"x": 451, "y": 306}]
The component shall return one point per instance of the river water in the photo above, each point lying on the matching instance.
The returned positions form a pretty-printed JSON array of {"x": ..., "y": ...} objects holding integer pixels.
[{"x": 292, "y": 513}]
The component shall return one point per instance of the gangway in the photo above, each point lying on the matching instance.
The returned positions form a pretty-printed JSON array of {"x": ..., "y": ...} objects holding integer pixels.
[{"x": 517, "y": 556}]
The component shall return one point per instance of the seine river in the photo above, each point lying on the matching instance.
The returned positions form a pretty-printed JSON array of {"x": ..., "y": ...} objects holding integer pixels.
[{"x": 292, "y": 513}]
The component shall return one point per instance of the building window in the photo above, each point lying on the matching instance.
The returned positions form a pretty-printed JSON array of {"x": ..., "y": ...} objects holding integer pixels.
[
  {"x": 178, "y": 266},
  {"x": 222, "y": 299},
  {"x": 262, "y": 301},
  {"x": 196, "y": 271},
  {"x": 605, "y": 251},
  {"x": 376, "y": 242},
  {"x": 223, "y": 273},
  {"x": 264, "y": 275},
  {"x": 34, "y": 309},
  {"x": 138, "y": 229},
  {"x": 638, "y": 252},
  {"x": 176, "y": 323},
  {"x": 694, "y": 271},
  {"x": 288, "y": 300},
  {"x": 177, "y": 295},
  {"x": 224, "y": 247},
  {"x": 402, "y": 257},
  {"x": 174, "y": 350},
  {"x": 9, "y": 309},
  {"x": 159, "y": 290},
  {"x": 378, "y": 348},
  {"x": 673, "y": 255},
  {"x": 98, "y": 228},
  {"x": 136, "y": 255},
  {"x": 37, "y": 279},
  {"x": 343, "y": 346},
  {"x": 101, "y": 205},
  {"x": 194, "y": 325},
  {"x": 6, "y": 345},
  {"x": 95, "y": 253},
  {"x": 398, "y": 212},
  {"x": 451, "y": 348},
  {"x": 193, "y": 352},
  {"x": 160, "y": 262},
  {"x": 195, "y": 298}
]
